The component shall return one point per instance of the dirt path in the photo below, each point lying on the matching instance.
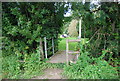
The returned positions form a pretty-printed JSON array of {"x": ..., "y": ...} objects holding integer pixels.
[
  {"x": 51, "y": 73},
  {"x": 56, "y": 73}
]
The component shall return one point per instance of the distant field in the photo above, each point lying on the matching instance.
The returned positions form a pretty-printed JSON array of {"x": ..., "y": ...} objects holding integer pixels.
[
  {"x": 62, "y": 44},
  {"x": 72, "y": 45}
]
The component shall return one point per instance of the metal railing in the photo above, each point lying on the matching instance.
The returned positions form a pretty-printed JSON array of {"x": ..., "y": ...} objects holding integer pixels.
[{"x": 47, "y": 48}]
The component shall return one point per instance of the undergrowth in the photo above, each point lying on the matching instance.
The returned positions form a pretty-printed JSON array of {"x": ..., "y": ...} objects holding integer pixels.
[
  {"x": 88, "y": 67},
  {"x": 31, "y": 67}
]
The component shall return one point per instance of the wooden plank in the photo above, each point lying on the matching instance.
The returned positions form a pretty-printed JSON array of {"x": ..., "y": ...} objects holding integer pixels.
[
  {"x": 45, "y": 44},
  {"x": 74, "y": 52},
  {"x": 74, "y": 40},
  {"x": 53, "y": 45}
]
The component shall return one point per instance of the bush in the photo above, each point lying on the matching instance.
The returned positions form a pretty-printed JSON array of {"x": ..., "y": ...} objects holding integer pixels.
[
  {"x": 99, "y": 72},
  {"x": 90, "y": 68},
  {"x": 32, "y": 66},
  {"x": 11, "y": 67}
]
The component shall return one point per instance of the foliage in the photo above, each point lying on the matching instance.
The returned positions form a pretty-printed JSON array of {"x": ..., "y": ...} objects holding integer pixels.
[
  {"x": 100, "y": 23},
  {"x": 88, "y": 67},
  {"x": 14, "y": 69},
  {"x": 25, "y": 23},
  {"x": 23, "y": 26},
  {"x": 55, "y": 65},
  {"x": 11, "y": 67},
  {"x": 31, "y": 67}
]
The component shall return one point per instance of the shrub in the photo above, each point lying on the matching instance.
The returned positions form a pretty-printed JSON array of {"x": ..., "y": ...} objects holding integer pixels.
[
  {"x": 30, "y": 67},
  {"x": 90, "y": 68},
  {"x": 11, "y": 67}
]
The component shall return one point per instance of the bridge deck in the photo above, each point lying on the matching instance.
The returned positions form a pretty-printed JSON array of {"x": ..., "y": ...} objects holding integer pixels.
[{"x": 60, "y": 57}]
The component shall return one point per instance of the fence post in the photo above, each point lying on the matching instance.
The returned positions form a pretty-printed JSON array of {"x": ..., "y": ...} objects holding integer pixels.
[
  {"x": 67, "y": 51},
  {"x": 80, "y": 27},
  {"x": 53, "y": 45},
  {"x": 45, "y": 44}
]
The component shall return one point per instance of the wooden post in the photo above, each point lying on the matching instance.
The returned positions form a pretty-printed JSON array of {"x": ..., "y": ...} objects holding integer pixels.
[
  {"x": 80, "y": 28},
  {"x": 41, "y": 49},
  {"x": 45, "y": 44},
  {"x": 67, "y": 51},
  {"x": 53, "y": 45},
  {"x": 80, "y": 22}
]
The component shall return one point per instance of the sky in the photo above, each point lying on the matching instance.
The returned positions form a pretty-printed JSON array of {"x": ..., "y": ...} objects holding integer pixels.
[{"x": 69, "y": 13}]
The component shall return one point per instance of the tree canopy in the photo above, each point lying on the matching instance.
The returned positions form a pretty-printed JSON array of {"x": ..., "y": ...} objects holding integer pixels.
[{"x": 24, "y": 23}]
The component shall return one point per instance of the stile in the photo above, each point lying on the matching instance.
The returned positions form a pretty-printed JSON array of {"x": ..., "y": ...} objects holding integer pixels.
[
  {"x": 70, "y": 52},
  {"x": 74, "y": 40}
]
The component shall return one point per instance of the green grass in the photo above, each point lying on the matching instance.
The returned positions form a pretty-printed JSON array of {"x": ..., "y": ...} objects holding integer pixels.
[
  {"x": 72, "y": 45},
  {"x": 62, "y": 44}
]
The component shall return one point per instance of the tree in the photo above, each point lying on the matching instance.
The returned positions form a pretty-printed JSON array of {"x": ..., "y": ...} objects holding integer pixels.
[
  {"x": 24, "y": 23},
  {"x": 100, "y": 24}
]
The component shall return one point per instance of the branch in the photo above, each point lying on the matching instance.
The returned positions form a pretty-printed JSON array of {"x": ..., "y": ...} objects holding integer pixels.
[{"x": 94, "y": 34}]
